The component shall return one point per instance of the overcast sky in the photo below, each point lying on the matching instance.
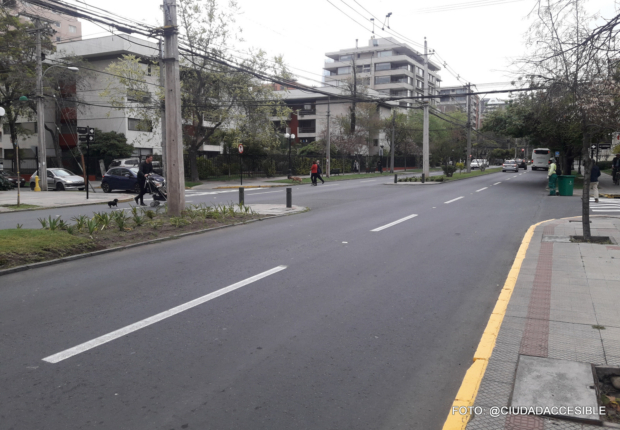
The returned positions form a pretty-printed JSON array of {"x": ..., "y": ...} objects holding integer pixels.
[{"x": 478, "y": 43}]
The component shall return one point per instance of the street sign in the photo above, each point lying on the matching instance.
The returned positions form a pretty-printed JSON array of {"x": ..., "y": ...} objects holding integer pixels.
[
  {"x": 240, "y": 149},
  {"x": 557, "y": 153},
  {"x": 83, "y": 138},
  {"x": 82, "y": 130},
  {"x": 604, "y": 146}
]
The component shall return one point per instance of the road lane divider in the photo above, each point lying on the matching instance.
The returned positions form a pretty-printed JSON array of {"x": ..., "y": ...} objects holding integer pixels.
[
  {"x": 453, "y": 200},
  {"x": 481, "y": 189},
  {"x": 497, "y": 183},
  {"x": 466, "y": 396},
  {"x": 395, "y": 222},
  {"x": 68, "y": 353}
]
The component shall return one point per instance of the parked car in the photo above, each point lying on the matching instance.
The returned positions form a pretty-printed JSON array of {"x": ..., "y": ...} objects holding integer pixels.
[
  {"x": 158, "y": 168},
  {"x": 121, "y": 178},
  {"x": 60, "y": 180},
  {"x": 510, "y": 165},
  {"x": 12, "y": 178},
  {"x": 125, "y": 162},
  {"x": 521, "y": 163},
  {"x": 478, "y": 163}
]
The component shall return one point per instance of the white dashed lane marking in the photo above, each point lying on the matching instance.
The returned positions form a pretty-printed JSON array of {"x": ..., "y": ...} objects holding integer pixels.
[{"x": 453, "y": 200}]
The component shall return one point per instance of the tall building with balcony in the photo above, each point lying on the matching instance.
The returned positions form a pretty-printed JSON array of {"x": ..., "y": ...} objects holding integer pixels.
[
  {"x": 391, "y": 68},
  {"x": 453, "y": 99},
  {"x": 65, "y": 27}
]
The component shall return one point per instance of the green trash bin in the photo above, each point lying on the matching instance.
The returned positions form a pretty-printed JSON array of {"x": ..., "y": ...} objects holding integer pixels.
[{"x": 566, "y": 184}]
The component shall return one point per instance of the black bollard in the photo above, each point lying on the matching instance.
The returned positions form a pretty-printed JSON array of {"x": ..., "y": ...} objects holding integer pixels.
[
  {"x": 423, "y": 178},
  {"x": 395, "y": 178},
  {"x": 289, "y": 197},
  {"x": 241, "y": 199}
]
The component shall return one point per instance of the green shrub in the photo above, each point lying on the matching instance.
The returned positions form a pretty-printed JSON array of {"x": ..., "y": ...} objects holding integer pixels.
[
  {"x": 269, "y": 168},
  {"x": 5, "y": 185},
  {"x": 604, "y": 165},
  {"x": 206, "y": 168},
  {"x": 449, "y": 170}
]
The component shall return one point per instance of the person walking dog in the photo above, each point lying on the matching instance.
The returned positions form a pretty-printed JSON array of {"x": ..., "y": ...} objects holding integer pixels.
[{"x": 146, "y": 168}]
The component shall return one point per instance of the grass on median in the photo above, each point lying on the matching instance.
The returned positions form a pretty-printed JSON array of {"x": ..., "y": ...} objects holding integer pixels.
[
  {"x": 22, "y": 206},
  {"x": 456, "y": 176},
  {"x": 38, "y": 245},
  {"x": 190, "y": 184}
]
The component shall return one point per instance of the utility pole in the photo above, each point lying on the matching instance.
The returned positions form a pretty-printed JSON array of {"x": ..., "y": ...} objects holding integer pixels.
[
  {"x": 42, "y": 167},
  {"x": 468, "y": 128},
  {"x": 425, "y": 148},
  {"x": 175, "y": 177},
  {"x": 329, "y": 149},
  {"x": 162, "y": 82},
  {"x": 393, "y": 145}
]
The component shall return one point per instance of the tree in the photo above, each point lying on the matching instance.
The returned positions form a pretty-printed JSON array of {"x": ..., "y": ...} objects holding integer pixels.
[
  {"x": 214, "y": 96},
  {"x": 110, "y": 144}
]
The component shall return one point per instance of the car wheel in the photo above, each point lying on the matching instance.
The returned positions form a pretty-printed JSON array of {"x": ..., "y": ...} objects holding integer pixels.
[
  {"x": 106, "y": 187},
  {"x": 81, "y": 189},
  {"x": 136, "y": 188},
  {"x": 60, "y": 186}
]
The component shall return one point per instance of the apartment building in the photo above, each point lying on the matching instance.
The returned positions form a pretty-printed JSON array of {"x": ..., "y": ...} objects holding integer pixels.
[
  {"x": 490, "y": 105},
  {"x": 453, "y": 99},
  {"x": 308, "y": 122},
  {"x": 390, "y": 67},
  {"x": 65, "y": 27}
]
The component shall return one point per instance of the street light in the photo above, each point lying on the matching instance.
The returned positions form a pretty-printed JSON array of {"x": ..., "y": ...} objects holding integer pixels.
[
  {"x": 289, "y": 137},
  {"x": 42, "y": 168}
]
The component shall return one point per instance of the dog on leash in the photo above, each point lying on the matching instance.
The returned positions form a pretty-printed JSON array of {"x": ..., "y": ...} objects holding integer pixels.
[
  {"x": 297, "y": 179},
  {"x": 113, "y": 203}
]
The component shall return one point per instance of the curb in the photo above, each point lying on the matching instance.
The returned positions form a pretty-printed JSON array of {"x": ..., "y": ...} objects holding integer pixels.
[
  {"x": 133, "y": 245},
  {"x": 468, "y": 391},
  {"x": 247, "y": 186},
  {"x": 64, "y": 206}
]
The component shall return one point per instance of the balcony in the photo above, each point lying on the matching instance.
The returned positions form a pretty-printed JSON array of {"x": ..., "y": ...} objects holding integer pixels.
[{"x": 306, "y": 130}]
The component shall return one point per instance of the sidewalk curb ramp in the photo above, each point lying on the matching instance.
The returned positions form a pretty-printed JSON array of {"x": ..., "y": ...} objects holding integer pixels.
[
  {"x": 63, "y": 206},
  {"x": 133, "y": 245},
  {"x": 466, "y": 395}
]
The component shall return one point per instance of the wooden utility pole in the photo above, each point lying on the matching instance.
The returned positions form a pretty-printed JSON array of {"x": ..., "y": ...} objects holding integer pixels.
[
  {"x": 329, "y": 143},
  {"x": 175, "y": 177},
  {"x": 468, "y": 129},
  {"x": 393, "y": 145},
  {"x": 425, "y": 135},
  {"x": 162, "y": 82},
  {"x": 42, "y": 167}
]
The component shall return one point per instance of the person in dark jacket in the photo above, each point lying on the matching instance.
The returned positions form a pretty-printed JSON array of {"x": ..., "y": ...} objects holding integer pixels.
[
  {"x": 594, "y": 174},
  {"x": 146, "y": 168}
]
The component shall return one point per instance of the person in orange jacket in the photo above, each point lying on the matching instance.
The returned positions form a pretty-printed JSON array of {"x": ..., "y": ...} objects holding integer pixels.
[{"x": 313, "y": 172}]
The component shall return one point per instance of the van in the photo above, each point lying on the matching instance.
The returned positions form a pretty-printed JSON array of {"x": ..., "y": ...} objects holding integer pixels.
[{"x": 540, "y": 159}]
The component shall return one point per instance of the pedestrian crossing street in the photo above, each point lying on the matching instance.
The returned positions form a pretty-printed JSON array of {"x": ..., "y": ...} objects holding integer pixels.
[{"x": 605, "y": 205}]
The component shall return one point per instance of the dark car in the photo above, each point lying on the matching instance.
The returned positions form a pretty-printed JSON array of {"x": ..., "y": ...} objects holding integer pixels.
[
  {"x": 12, "y": 178},
  {"x": 521, "y": 163},
  {"x": 122, "y": 178}
]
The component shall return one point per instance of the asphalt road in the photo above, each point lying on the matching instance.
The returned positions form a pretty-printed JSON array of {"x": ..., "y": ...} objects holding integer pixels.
[{"x": 362, "y": 330}]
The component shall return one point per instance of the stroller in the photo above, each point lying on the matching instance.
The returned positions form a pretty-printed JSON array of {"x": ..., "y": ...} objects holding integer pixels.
[{"x": 157, "y": 189}]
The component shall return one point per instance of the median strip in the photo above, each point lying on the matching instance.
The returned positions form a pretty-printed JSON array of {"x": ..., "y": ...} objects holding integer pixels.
[
  {"x": 394, "y": 223},
  {"x": 453, "y": 200},
  {"x": 56, "y": 358}
]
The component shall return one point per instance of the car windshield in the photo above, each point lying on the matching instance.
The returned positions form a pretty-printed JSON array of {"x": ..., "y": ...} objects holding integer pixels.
[
  {"x": 62, "y": 172},
  {"x": 134, "y": 169}
]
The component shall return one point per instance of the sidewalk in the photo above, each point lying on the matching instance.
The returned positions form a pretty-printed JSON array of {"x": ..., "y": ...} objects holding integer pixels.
[
  {"x": 46, "y": 199},
  {"x": 565, "y": 305}
]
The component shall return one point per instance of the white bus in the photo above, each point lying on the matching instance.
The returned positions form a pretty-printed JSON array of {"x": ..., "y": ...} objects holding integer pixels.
[{"x": 540, "y": 159}]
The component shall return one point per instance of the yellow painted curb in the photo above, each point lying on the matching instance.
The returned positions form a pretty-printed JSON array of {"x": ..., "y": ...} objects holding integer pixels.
[{"x": 468, "y": 391}]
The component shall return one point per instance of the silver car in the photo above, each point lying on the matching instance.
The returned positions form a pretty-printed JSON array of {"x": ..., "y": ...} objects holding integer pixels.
[
  {"x": 510, "y": 165},
  {"x": 60, "y": 180}
]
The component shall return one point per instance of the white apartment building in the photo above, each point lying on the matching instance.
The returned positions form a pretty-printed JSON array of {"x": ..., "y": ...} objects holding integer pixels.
[
  {"x": 388, "y": 66},
  {"x": 308, "y": 122},
  {"x": 65, "y": 27},
  {"x": 452, "y": 99},
  {"x": 491, "y": 105}
]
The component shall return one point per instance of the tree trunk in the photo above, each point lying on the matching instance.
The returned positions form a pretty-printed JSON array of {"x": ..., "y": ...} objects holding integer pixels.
[
  {"x": 193, "y": 164},
  {"x": 57, "y": 149},
  {"x": 585, "y": 198}
]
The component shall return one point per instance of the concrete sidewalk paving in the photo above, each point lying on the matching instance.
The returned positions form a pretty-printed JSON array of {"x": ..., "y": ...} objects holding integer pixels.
[
  {"x": 58, "y": 198},
  {"x": 565, "y": 305}
]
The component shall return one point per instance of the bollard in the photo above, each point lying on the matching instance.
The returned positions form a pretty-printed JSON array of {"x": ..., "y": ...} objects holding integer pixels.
[
  {"x": 241, "y": 199},
  {"x": 422, "y": 177},
  {"x": 289, "y": 197},
  {"x": 395, "y": 178}
]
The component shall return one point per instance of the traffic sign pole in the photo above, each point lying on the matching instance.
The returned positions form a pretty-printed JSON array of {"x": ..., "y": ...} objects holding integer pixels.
[{"x": 241, "y": 163}]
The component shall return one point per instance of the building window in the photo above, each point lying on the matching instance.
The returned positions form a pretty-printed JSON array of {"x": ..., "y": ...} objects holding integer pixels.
[
  {"x": 383, "y": 66},
  {"x": 365, "y": 68},
  {"x": 364, "y": 81},
  {"x": 57, "y": 38},
  {"x": 136, "y": 124},
  {"x": 72, "y": 29},
  {"x": 344, "y": 70},
  {"x": 345, "y": 58},
  {"x": 375, "y": 142},
  {"x": 57, "y": 24},
  {"x": 419, "y": 72},
  {"x": 384, "y": 54},
  {"x": 382, "y": 80},
  {"x": 419, "y": 84}
]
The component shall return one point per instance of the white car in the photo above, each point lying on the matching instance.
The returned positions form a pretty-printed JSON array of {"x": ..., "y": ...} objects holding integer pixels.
[{"x": 478, "y": 163}]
